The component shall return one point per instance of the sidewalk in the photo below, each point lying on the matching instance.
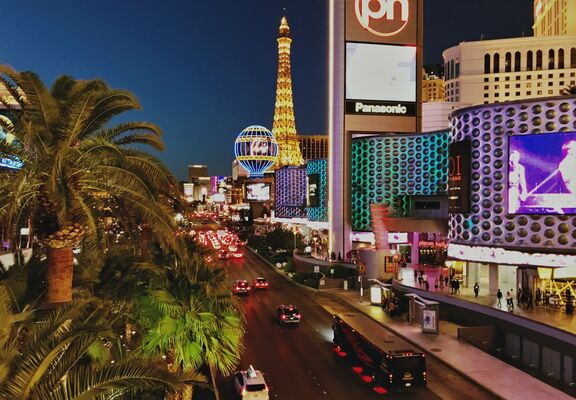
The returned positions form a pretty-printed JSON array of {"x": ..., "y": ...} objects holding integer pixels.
[
  {"x": 553, "y": 317},
  {"x": 501, "y": 379}
]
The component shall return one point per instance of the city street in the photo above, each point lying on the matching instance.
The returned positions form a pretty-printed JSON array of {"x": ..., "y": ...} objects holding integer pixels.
[{"x": 299, "y": 361}]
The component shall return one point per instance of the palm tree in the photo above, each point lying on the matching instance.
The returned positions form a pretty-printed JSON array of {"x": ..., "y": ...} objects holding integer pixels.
[
  {"x": 191, "y": 320},
  {"x": 569, "y": 90},
  {"x": 47, "y": 355},
  {"x": 72, "y": 163}
]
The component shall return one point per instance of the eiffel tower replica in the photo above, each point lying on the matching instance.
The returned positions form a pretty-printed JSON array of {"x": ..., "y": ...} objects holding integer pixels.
[{"x": 284, "y": 126}]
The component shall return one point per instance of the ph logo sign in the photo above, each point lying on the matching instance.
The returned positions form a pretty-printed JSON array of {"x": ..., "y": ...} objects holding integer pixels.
[{"x": 382, "y": 17}]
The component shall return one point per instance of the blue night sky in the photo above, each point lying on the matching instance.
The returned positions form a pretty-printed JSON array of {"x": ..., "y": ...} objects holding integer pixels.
[{"x": 203, "y": 70}]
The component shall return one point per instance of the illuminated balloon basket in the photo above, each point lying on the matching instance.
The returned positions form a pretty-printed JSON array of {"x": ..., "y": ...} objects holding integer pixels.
[{"x": 256, "y": 150}]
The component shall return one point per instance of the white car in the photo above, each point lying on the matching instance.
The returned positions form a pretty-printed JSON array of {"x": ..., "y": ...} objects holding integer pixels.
[{"x": 250, "y": 384}]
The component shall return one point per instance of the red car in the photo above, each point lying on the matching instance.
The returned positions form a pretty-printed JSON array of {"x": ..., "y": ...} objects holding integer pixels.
[
  {"x": 241, "y": 287},
  {"x": 260, "y": 283}
]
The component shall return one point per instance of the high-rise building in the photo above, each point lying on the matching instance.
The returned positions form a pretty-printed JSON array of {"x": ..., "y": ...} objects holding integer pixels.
[
  {"x": 313, "y": 147},
  {"x": 492, "y": 71},
  {"x": 284, "y": 126},
  {"x": 554, "y": 17},
  {"x": 432, "y": 88},
  {"x": 197, "y": 171}
]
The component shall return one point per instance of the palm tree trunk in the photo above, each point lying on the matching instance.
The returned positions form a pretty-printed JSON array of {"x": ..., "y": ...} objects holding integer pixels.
[
  {"x": 173, "y": 368},
  {"x": 59, "y": 275},
  {"x": 213, "y": 373}
]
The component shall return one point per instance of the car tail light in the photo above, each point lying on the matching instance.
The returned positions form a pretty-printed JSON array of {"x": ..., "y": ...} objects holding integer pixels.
[
  {"x": 283, "y": 316},
  {"x": 424, "y": 375},
  {"x": 297, "y": 315}
]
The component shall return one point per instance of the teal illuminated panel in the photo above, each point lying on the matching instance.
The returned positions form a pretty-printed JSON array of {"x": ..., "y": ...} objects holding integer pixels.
[
  {"x": 387, "y": 169},
  {"x": 320, "y": 168}
]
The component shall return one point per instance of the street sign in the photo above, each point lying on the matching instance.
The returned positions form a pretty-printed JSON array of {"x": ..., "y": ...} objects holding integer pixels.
[{"x": 316, "y": 268}]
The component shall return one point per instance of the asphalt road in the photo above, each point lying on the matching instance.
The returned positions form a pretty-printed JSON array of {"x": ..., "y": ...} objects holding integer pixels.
[{"x": 299, "y": 363}]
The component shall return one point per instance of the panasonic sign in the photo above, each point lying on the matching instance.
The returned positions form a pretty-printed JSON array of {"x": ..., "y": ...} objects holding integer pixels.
[
  {"x": 366, "y": 107},
  {"x": 380, "y": 109}
]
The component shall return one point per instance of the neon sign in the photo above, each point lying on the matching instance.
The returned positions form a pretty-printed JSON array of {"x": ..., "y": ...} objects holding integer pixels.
[{"x": 385, "y": 10}]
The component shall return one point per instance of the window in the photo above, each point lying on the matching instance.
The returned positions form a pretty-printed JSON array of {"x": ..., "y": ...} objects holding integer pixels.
[
  {"x": 508, "y": 62},
  {"x": 539, "y": 60},
  {"x": 550, "y": 92},
  {"x": 539, "y": 76},
  {"x": 485, "y": 95},
  {"x": 528, "y": 93},
  {"x": 506, "y": 86},
  {"x": 539, "y": 92},
  {"x": 517, "y": 86},
  {"x": 457, "y": 72},
  {"x": 496, "y": 94},
  {"x": 517, "y": 61},
  {"x": 507, "y": 78},
  {"x": 487, "y": 64},
  {"x": 573, "y": 58},
  {"x": 562, "y": 75},
  {"x": 517, "y": 77},
  {"x": 517, "y": 93},
  {"x": 507, "y": 94},
  {"x": 561, "y": 83},
  {"x": 528, "y": 85},
  {"x": 486, "y": 80},
  {"x": 496, "y": 87},
  {"x": 452, "y": 69},
  {"x": 550, "y": 83},
  {"x": 550, "y": 76},
  {"x": 496, "y": 79},
  {"x": 529, "y": 61},
  {"x": 496, "y": 63},
  {"x": 561, "y": 59},
  {"x": 528, "y": 76},
  {"x": 539, "y": 84},
  {"x": 551, "y": 59},
  {"x": 486, "y": 87}
]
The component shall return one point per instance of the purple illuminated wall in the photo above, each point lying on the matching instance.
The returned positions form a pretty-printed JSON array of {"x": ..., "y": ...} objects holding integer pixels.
[
  {"x": 290, "y": 186},
  {"x": 490, "y": 127}
]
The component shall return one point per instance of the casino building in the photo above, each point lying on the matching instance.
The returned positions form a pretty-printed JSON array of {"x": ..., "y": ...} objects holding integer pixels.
[{"x": 512, "y": 216}]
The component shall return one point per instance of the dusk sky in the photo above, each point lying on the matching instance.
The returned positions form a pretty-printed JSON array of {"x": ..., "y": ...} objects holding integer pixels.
[{"x": 204, "y": 70}]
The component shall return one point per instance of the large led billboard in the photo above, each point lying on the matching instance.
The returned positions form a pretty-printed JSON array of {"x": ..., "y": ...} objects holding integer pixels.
[
  {"x": 542, "y": 174},
  {"x": 380, "y": 72},
  {"x": 258, "y": 191},
  {"x": 459, "y": 177}
]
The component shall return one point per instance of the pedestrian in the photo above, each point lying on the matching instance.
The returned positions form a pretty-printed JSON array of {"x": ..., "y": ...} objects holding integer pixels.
[
  {"x": 538, "y": 296},
  {"x": 415, "y": 275},
  {"x": 476, "y": 289},
  {"x": 512, "y": 298},
  {"x": 436, "y": 284},
  {"x": 420, "y": 280},
  {"x": 499, "y": 297},
  {"x": 426, "y": 284},
  {"x": 530, "y": 301},
  {"x": 457, "y": 286},
  {"x": 446, "y": 281}
]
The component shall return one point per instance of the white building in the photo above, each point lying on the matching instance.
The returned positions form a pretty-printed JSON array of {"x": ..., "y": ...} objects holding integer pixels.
[
  {"x": 491, "y": 71},
  {"x": 435, "y": 114},
  {"x": 554, "y": 17}
]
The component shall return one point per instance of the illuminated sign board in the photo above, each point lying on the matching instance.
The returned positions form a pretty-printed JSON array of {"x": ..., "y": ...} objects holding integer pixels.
[
  {"x": 542, "y": 173},
  {"x": 10, "y": 163},
  {"x": 459, "y": 177},
  {"x": 258, "y": 192},
  {"x": 382, "y": 21},
  {"x": 380, "y": 79},
  {"x": 312, "y": 190},
  {"x": 503, "y": 256}
]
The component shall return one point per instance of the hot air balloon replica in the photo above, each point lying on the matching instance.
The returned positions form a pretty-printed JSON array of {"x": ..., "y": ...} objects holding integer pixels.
[{"x": 256, "y": 150}]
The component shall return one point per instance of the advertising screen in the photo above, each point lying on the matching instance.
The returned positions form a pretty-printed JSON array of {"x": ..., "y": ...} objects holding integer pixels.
[
  {"x": 258, "y": 192},
  {"x": 542, "y": 174},
  {"x": 312, "y": 190},
  {"x": 459, "y": 177},
  {"x": 380, "y": 72}
]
